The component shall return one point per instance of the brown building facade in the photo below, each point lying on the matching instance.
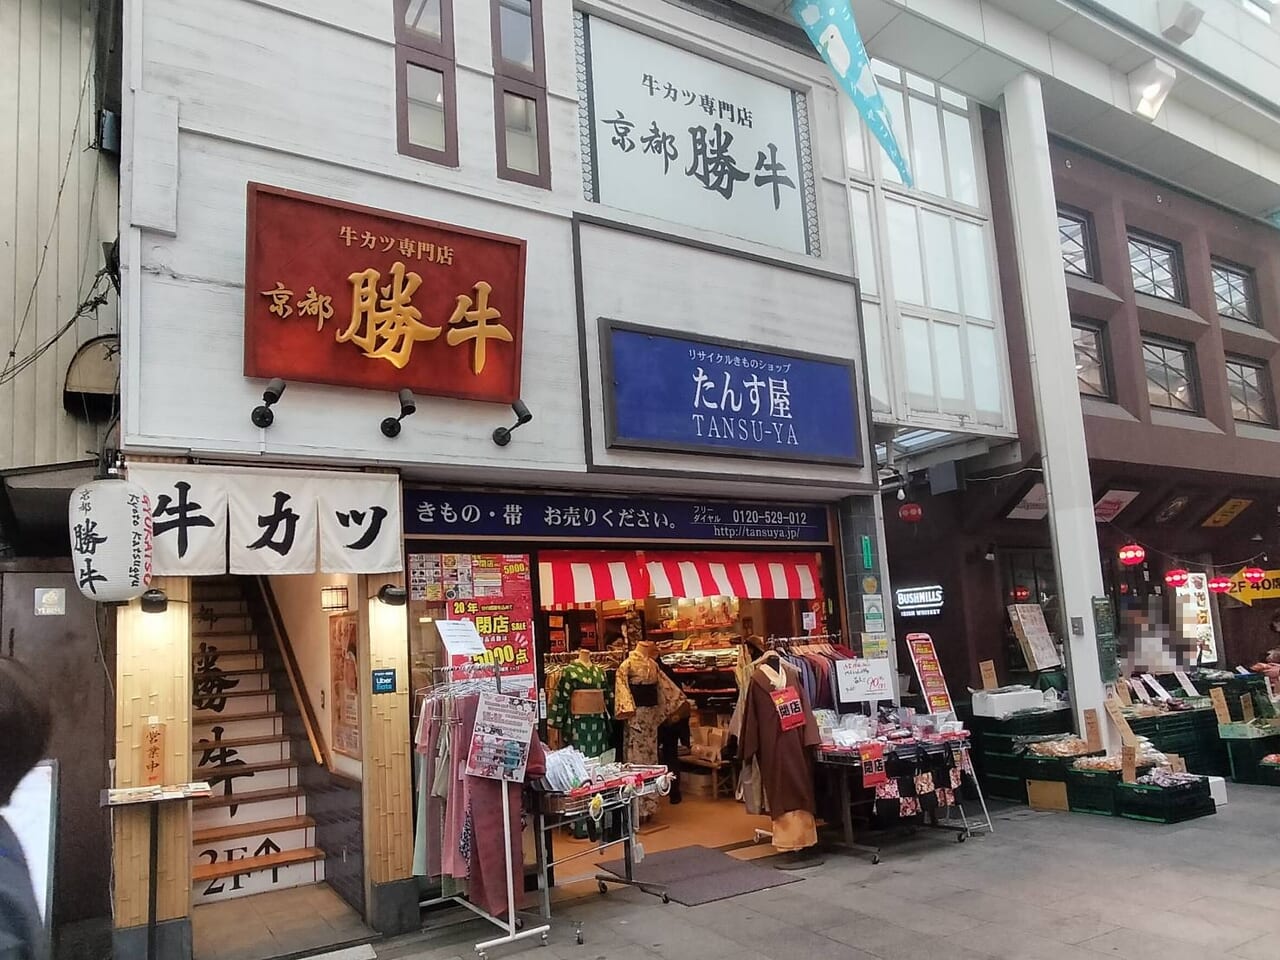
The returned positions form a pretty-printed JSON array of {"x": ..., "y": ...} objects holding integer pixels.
[{"x": 1175, "y": 312}]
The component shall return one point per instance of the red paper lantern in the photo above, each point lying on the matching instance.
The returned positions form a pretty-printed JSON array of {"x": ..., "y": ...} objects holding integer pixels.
[
  {"x": 1132, "y": 554},
  {"x": 1020, "y": 594},
  {"x": 911, "y": 513},
  {"x": 1177, "y": 578},
  {"x": 1220, "y": 584},
  {"x": 1254, "y": 575}
]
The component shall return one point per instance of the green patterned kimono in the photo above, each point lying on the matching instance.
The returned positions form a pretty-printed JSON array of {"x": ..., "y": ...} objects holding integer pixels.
[{"x": 590, "y": 733}]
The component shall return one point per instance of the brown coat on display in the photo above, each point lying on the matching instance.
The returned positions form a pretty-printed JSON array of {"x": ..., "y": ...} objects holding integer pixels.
[{"x": 786, "y": 761}]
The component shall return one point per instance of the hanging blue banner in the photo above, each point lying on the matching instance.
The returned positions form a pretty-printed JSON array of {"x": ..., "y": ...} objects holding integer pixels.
[
  {"x": 669, "y": 390},
  {"x": 834, "y": 34}
]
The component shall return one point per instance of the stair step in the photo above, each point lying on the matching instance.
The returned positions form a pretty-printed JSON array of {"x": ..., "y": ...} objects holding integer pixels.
[
  {"x": 239, "y": 725},
  {"x": 222, "y": 626},
  {"x": 227, "y": 660},
  {"x": 240, "y": 742},
  {"x": 239, "y": 831},
  {"x": 219, "y": 608},
  {"x": 216, "y": 594},
  {"x": 241, "y": 799},
  {"x": 233, "y": 641},
  {"x": 240, "y": 681},
  {"x": 233, "y": 704},
  {"x": 252, "y": 750},
  {"x": 249, "y": 875}
]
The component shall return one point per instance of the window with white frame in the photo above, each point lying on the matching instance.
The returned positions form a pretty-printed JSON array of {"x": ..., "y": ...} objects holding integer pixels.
[{"x": 925, "y": 258}]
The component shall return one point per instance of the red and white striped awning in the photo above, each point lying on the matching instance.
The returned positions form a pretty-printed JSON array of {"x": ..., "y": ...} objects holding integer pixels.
[
  {"x": 574, "y": 577},
  {"x": 760, "y": 576}
]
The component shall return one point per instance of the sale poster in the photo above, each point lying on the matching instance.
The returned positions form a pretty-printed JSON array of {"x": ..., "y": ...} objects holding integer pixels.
[
  {"x": 863, "y": 679},
  {"x": 500, "y": 739},
  {"x": 344, "y": 683},
  {"x": 929, "y": 670},
  {"x": 495, "y": 592}
]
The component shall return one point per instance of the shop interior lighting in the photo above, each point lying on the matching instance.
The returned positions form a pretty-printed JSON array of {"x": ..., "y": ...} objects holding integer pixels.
[
  {"x": 155, "y": 601},
  {"x": 392, "y": 595},
  {"x": 502, "y": 435},
  {"x": 1149, "y": 87},
  {"x": 990, "y": 555},
  {"x": 262, "y": 415},
  {"x": 408, "y": 406},
  {"x": 333, "y": 599}
]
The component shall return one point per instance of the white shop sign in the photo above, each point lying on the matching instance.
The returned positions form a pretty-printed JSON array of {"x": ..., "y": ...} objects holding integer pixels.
[
  {"x": 275, "y": 521},
  {"x": 677, "y": 136}
]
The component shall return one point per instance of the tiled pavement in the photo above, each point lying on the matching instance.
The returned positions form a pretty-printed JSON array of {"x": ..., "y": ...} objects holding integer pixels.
[{"x": 1045, "y": 886}]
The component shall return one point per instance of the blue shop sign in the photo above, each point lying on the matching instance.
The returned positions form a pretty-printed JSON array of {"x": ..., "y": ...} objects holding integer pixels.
[
  {"x": 384, "y": 681},
  {"x": 667, "y": 390},
  {"x": 515, "y": 516}
]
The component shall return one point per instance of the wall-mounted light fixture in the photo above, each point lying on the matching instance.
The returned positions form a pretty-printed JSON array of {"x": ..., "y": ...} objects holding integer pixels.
[
  {"x": 263, "y": 416},
  {"x": 333, "y": 599},
  {"x": 502, "y": 435},
  {"x": 392, "y": 595},
  {"x": 408, "y": 406},
  {"x": 1179, "y": 19},
  {"x": 1149, "y": 87},
  {"x": 155, "y": 601},
  {"x": 990, "y": 555}
]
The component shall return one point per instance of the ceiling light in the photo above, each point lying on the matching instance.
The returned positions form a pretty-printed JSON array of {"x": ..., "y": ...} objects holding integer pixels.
[{"x": 1149, "y": 87}]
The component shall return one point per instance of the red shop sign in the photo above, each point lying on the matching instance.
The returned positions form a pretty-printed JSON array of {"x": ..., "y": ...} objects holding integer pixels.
[{"x": 341, "y": 294}]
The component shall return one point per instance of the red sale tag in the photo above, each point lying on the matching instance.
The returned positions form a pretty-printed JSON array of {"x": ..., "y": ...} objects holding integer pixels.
[
  {"x": 872, "y": 755},
  {"x": 787, "y": 702}
]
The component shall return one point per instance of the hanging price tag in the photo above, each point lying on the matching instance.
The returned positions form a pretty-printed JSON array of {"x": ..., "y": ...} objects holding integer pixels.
[
  {"x": 790, "y": 712},
  {"x": 873, "y": 772},
  {"x": 1116, "y": 713}
]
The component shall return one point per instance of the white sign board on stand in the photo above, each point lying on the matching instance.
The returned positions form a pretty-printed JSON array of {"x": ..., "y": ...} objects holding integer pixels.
[{"x": 860, "y": 680}]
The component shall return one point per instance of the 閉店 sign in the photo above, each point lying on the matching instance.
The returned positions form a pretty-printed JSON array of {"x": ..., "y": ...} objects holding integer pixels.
[
  {"x": 686, "y": 139},
  {"x": 348, "y": 295}
]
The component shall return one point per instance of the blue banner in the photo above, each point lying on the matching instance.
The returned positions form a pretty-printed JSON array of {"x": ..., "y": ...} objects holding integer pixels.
[
  {"x": 673, "y": 391},
  {"x": 516, "y": 516},
  {"x": 834, "y": 34}
]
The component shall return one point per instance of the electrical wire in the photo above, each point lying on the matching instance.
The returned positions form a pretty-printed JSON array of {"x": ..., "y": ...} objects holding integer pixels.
[
  {"x": 57, "y": 205},
  {"x": 90, "y": 305},
  {"x": 1005, "y": 476},
  {"x": 1185, "y": 562}
]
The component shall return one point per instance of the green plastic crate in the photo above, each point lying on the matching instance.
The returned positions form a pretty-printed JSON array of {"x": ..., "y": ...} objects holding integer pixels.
[
  {"x": 1246, "y": 757},
  {"x": 1002, "y": 764},
  {"x": 1092, "y": 791},
  {"x": 1013, "y": 789},
  {"x": 1051, "y": 768},
  {"x": 1136, "y": 801},
  {"x": 1269, "y": 774}
]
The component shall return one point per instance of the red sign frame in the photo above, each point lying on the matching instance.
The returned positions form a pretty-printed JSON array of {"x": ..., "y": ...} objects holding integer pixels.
[{"x": 342, "y": 294}]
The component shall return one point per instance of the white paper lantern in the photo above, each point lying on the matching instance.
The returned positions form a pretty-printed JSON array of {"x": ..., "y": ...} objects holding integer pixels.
[{"x": 110, "y": 539}]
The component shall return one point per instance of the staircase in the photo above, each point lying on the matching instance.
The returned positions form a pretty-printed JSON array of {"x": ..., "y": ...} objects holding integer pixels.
[{"x": 253, "y": 834}]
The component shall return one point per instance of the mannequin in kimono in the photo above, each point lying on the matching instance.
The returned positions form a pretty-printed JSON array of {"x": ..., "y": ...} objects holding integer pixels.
[
  {"x": 580, "y": 709},
  {"x": 644, "y": 697}
]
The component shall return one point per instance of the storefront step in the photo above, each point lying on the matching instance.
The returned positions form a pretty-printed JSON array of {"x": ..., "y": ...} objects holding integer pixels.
[
  {"x": 216, "y": 703},
  {"x": 264, "y": 749},
  {"x": 224, "y": 880},
  {"x": 219, "y": 641},
  {"x": 238, "y": 727},
  {"x": 219, "y": 609},
  {"x": 250, "y": 807},
  {"x": 275, "y": 775},
  {"x": 231, "y": 660}
]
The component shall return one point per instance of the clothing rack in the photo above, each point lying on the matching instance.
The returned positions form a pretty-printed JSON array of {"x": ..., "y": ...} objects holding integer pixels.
[
  {"x": 512, "y": 927},
  {"x": 603, "y": 658},
  {"x": 778, "y": 643}
]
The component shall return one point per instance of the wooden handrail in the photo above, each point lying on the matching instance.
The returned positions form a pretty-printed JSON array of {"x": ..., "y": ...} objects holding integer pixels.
[{"x": 309, "y": 720}]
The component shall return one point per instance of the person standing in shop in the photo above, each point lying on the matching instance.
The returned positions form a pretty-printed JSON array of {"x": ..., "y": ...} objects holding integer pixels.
[{"x": 25, "y": 722}]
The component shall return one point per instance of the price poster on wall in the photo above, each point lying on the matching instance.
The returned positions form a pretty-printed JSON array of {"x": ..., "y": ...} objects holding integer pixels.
[
  {"x": 929, "y": 670},
  {"x": 499, "y": 747},
  {"x": 495, "y": 592}
]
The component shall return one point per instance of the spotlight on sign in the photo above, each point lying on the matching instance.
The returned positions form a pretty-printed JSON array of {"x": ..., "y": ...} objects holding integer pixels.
[
  {"x": 262, "y": 415},
  {"x": 408, "y": 406},
  {"x": 502, "y": 435},
  {"x": 155, "y": 601},
  {"x": 392, "y": 595}
]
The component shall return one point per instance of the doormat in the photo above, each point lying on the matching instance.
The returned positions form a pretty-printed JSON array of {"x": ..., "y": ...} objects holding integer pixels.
[{"x": 696, "y": 875}]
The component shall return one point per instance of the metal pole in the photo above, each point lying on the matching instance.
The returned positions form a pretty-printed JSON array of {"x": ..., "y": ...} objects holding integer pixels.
[{"x": 152, "y": 880}]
